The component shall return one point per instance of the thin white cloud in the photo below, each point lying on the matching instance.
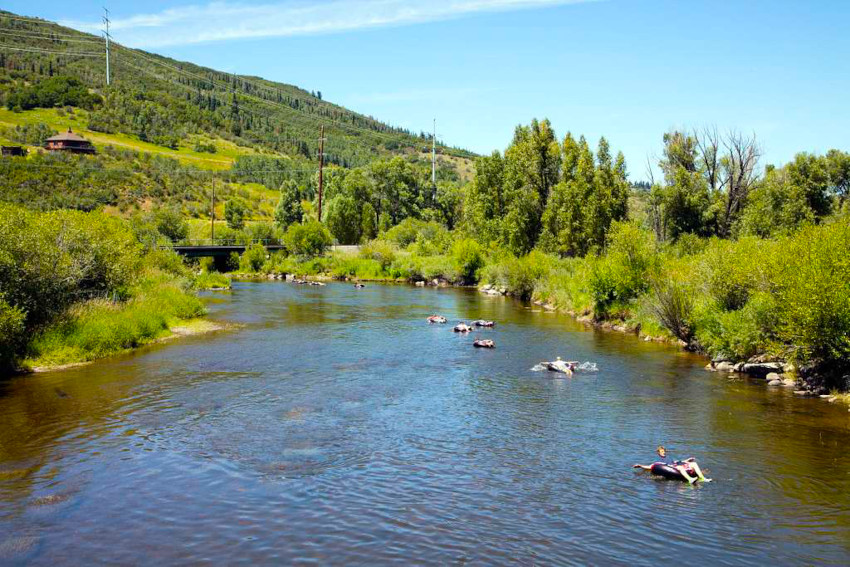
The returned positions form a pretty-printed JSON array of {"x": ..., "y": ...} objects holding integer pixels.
[
  {"x": 222, "y": 21},
  {"x": 418, "y": 95}
]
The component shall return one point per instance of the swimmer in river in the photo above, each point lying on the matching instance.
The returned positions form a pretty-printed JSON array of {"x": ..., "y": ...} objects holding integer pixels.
[
  {"x": 688, "y": 469},
  {"x": 560, "y": 366}
]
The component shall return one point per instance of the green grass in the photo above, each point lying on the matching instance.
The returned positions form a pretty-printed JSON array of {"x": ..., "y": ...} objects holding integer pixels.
[
  {"x": 100, "y": 328},
  {"x": 211, "y": 280},
  {"x": 226, "y": 151}
]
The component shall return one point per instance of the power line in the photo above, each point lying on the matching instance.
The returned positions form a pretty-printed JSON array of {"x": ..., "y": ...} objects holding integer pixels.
[
  {"x": 28, "y": 36},
  {"x": 36, "y": 50},
  {"x": 30, "y": 31}
]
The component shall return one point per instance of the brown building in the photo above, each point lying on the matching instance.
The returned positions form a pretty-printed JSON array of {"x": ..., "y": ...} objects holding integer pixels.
[
  {"x": 69, "y": 142},
  {"x": 13, "y": 151}
]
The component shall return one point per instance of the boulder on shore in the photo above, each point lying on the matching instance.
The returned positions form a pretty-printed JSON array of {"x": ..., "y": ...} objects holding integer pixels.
[{"x": 762, "y": 369}]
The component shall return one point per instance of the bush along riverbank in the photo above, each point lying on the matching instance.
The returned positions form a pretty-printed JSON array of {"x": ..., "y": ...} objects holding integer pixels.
[
  {"x": 778, "y": 309},
  {"x": 775, "y": 308},
  {"x": 80, "y": 286}
]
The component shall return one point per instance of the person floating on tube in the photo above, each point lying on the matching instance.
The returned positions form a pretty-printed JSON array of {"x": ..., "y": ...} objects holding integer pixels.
[{"x": 675, "y": 470}]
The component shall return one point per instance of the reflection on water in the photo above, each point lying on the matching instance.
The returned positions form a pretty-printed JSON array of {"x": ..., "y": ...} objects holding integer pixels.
[{"x": 338, "y": 427}]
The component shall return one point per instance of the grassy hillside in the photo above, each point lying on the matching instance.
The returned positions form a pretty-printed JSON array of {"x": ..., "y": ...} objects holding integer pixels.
[{"x": 178, "y": 102}]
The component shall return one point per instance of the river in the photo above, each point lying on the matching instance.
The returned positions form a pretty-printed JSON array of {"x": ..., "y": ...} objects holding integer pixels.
[{"x": 335, "y": 426}]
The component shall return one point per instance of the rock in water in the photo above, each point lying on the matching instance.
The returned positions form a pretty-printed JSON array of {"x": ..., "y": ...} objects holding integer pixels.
[{"x": 762, "y": 369}]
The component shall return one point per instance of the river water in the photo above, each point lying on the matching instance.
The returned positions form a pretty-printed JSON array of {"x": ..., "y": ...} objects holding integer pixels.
[{"x": 335, "y": 426}]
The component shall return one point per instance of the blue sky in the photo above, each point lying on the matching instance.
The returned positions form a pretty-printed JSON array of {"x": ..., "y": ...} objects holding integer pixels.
[{"x": 626, "y": 69}]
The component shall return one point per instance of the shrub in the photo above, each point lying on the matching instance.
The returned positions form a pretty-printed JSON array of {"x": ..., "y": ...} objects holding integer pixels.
[
  {"x": 171, "y": 224},
  {"x": 672, "y": 305},
  {"x": 208, "y": 148},
  {"x": 234, "y": 213},
  {"x": 253, "y": 258},
  {"x": 307, "y": 239},
  {"x": 55, "y": 91},
  {"x": 741, "y": 333},
  {"x": 50, "y": 260},
  {"x": 381, "y": 251},
  {"x": 11, "y": 333},
  {"x": 262, "y": 232},
  {"x": 407, "y": 231},
  {"x": 519, "y": 275},
  {"x": 623, "y": 273},
  {"x": 730, "y": 271},
  {"x": 468, "y": 258},
  {"x": 439, "y": 267},
  {"x": 813, "y": 296}
]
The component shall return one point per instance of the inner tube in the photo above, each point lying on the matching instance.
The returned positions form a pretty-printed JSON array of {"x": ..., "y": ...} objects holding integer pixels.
[{"x": 669, "y": 471}]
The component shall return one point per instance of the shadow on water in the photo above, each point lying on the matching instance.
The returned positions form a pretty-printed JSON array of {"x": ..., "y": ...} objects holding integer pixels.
[{"x": 337, "y": 426}]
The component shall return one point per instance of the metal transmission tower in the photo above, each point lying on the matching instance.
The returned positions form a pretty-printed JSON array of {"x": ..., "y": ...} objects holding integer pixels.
[
  {"x": 321, "y": 166},
  {"x": 106, "y": 37},
  {"x": 434, "y": 156}
]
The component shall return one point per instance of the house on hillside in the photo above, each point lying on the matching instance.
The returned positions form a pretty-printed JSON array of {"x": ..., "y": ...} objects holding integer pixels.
[
  {"x": 11, "y": 151},
  {"x": 69, "y": 142}
]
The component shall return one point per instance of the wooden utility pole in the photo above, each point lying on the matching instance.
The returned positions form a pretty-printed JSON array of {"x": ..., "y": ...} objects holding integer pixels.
[
  {"x": 321, "y": 166},
  {"x": 212, "y": 214}
]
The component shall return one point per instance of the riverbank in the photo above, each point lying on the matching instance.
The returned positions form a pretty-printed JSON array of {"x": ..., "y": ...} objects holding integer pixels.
[
  {"x": 77, "y": 287},
  {"x": 181, "y": 329}
]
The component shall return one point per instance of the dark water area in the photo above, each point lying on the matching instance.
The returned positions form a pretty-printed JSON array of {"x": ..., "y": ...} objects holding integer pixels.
[{"x": 337, "y": 427}]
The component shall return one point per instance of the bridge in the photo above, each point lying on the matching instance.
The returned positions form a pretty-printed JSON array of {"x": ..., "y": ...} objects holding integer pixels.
[{"x": 220, "y": 247}]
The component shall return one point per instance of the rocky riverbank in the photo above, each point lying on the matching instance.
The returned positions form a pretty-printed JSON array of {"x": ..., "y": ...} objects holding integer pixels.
[{"x": 774, "y": 373}]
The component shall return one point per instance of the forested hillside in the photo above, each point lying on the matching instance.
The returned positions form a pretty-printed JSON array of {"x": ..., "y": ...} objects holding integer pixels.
[{"x": 165, "y": 101}]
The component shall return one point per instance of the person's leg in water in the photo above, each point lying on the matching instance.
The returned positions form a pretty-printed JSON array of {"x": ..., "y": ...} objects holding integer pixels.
[
  {"x": 697, "y": 470},
  {"x": 684, "y": 472}
]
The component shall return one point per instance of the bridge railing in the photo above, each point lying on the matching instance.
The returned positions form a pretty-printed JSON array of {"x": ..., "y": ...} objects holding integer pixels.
[{"x": 207, "y": 242}]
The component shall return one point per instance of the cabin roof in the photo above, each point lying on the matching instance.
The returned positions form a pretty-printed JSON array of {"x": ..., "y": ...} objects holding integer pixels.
[{"x": 67, "y": 137}]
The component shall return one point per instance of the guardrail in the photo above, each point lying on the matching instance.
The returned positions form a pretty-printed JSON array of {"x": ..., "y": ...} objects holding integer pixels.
[{"x": 207, "y": 242}]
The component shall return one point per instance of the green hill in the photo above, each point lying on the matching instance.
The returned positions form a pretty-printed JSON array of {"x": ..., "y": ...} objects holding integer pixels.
[
  {"x": 170, "y": 102},
  {"x": 167, "y": 131}
]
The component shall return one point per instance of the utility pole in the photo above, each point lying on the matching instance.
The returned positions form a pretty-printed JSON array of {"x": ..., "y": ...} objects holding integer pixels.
[
  {"x": 321, "y": 166},
  {"x": 106, "y": 36},
  {"x": 212, "y": 214}
]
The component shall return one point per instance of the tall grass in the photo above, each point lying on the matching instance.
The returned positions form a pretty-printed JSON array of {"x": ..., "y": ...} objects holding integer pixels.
[{"x": 101, "y": 327}]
